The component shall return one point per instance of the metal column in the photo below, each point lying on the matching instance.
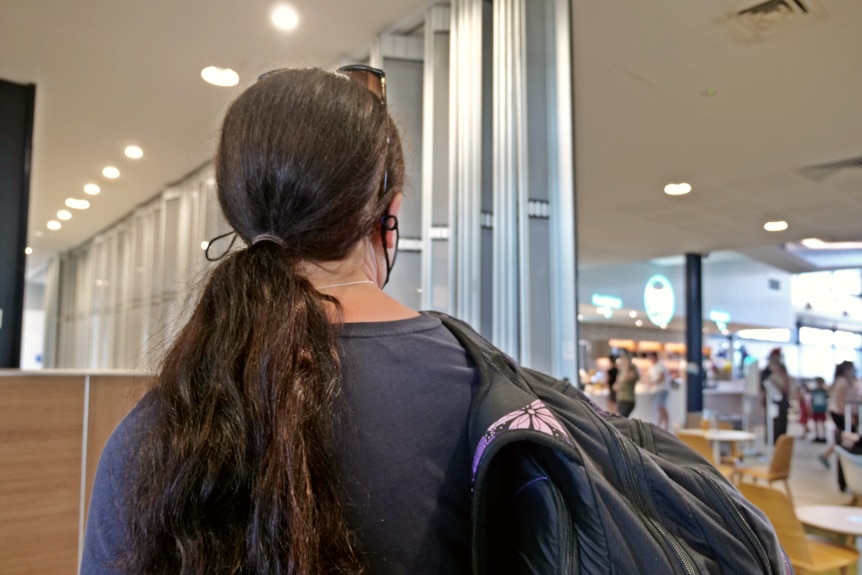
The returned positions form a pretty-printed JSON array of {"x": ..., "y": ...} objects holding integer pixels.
[
  {"x": 17, "y": 104},
  {"x": 694, "y": 332}
]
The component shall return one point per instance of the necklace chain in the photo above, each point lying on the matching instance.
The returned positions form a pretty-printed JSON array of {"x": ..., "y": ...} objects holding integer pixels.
[{"x": 345, "y": 284}]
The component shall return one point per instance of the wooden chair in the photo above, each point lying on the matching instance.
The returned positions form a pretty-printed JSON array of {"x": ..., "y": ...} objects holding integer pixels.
[
  {"x": 778, "y": 468},
  {"x": 701, "y": 444},
  {"x": 851, "y": 464},
  {"x": 806, "y": 553}
]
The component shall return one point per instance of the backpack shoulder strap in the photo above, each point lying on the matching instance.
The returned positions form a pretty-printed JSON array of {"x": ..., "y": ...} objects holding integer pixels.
[
  {"x": 504, "y": 400},
  {"x": 487, "y": 358},
  {"x": 481, "y": 350}
]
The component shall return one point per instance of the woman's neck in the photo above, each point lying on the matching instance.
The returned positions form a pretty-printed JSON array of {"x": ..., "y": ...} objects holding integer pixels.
[{"x": 353, "y": 283}]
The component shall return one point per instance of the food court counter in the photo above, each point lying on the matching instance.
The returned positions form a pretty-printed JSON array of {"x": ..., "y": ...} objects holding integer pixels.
[
  {"x": 727, "y": 398},
  {"x": 646, "y": 408}
]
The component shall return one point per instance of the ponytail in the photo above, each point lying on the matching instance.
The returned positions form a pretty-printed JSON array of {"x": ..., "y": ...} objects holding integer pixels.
[{"x": 237, "y": 472}]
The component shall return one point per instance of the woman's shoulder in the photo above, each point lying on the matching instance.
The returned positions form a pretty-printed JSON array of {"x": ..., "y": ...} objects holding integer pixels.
[
  {"x": 105, "y": 539},
  {"x": 123, "y": 444},
  {"x": 421, "y": 322}
]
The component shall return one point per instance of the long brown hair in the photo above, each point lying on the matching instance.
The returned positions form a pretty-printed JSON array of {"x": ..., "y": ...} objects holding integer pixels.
[{"x": 237, "y": 473}]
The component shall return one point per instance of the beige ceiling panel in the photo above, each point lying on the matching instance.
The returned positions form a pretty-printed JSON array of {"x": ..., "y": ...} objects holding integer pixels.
[{"x": 109, "y": 73}]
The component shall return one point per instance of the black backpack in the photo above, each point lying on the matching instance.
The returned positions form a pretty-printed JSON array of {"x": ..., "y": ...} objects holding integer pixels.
[{"x": 560, "y": 486}]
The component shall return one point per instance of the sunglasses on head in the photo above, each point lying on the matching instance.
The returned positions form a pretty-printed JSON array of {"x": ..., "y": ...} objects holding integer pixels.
[{"x": 374, "y": 80}]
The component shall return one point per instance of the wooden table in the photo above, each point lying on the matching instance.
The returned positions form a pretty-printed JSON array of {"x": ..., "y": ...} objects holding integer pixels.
[
  {"x": 842, "y": 520},
  {"x": 719, "y": 436}
]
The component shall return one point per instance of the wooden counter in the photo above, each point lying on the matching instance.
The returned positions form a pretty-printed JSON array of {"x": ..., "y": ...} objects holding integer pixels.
[{"x": 53, "y": 426}]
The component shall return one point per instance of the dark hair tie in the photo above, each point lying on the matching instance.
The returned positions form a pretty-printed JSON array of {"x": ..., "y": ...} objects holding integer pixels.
[
  {"x": 257, "y": 239},
  {"x": 269, "y": 238}
]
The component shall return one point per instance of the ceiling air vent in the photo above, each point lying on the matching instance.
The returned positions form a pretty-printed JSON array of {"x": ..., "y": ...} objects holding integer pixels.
[
  {"x": 766, "y": 19},
  {"x": 821, "y": 172}
]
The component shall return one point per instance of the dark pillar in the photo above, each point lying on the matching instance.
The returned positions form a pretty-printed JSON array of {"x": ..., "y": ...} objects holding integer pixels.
[
  {"x": 694, "y": 331},
  {"x": 16, "y": 137}
]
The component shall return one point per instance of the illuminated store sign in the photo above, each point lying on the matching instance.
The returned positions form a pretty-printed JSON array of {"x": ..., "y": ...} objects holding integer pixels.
[
  {"x": 607, "y": 301},
  {"x": 721, "y": 319},
  {"x": 719, "y": 316},
  {"x": 659, "y": 300}
]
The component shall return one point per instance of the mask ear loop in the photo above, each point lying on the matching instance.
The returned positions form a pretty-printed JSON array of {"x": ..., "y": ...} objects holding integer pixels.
[
  {"x": 214, "y": 240},
  {"x": 388, "y": 223}
]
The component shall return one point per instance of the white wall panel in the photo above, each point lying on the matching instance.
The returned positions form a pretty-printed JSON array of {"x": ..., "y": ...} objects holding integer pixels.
[{"x": 119, "y": 296}]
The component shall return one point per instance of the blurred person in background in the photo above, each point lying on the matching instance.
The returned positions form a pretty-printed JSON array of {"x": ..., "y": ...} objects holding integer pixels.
[
  {"x": 779, "y": 387},
  {"x": 819, "y": 406},
  {"x": 627, "y": 378},
  {"x": 843, "y": 389},
  {"x": 657, "y": 379},
  {"x": 613, "y": 372}
]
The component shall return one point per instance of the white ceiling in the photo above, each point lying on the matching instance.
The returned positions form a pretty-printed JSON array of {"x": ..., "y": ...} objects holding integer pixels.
[
  {"x": 780, "y": 105},
  {"x": 111, "y": 73}
]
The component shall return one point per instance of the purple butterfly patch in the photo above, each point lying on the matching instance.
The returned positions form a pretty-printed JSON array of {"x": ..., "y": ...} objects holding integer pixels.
[{"x": 536, "y": 417}]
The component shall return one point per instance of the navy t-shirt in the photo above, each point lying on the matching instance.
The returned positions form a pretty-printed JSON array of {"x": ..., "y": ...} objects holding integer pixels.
[{"x": 403, "y": 447}]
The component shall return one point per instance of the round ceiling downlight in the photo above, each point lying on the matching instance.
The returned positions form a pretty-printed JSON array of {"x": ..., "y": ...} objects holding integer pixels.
[{"x": 216, "y": 76}]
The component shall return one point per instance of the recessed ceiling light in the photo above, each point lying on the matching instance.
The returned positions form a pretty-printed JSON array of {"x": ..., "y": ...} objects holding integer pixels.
[
  {"x": 76, "y": 204},
  {"x": 639, "y": 323},
  {"x": 64, "y": 215},
  {"x": 633, "y": 314},
  {"x": 580, "y": 317},
  {"x": 818, "y": 244},
  {"x": 54, "y": 225},
  {"x": 28, "y": 250},
  {"x": 134, "y": 152},
  {"x": 220, "y": 76},
  {"x": 680, "y": 189},
  {"x": 284, "y": 17},
  {"x": 92, "y": 189},
  {"x": 777, "y": 226},
  {"x": 204, "y": 245},
  {"x": 111, "y": 172}
]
